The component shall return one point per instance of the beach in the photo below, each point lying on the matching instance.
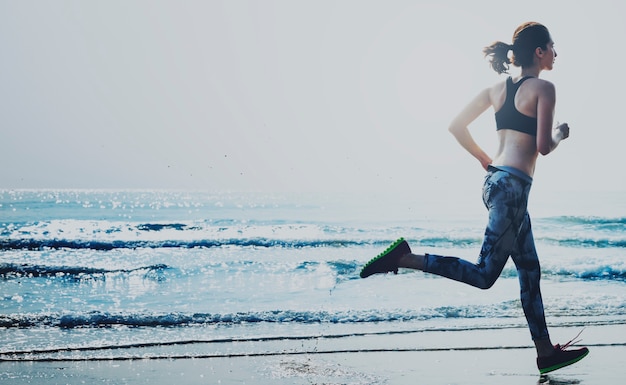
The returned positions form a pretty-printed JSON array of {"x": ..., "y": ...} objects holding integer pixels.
[
  {"x": 162, "y": 287},
  {"x": 447, "y": 357},
  {"x": 191, "y": 190}
]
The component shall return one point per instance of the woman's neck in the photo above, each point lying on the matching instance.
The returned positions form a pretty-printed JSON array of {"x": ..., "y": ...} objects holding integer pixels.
[{"x": 533, "y": 71}]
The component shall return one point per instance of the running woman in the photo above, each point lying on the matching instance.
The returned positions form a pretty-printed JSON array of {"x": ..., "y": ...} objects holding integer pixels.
[{"x": 524, "y": 113}]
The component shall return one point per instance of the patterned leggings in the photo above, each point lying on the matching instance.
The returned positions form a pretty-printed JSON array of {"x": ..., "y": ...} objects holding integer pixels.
[{"x": 508, "y": 233}]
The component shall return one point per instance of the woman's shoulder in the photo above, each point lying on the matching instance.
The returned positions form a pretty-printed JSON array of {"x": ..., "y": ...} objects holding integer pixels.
[
  {"x": 497, "y": 91},
  {"x": 541, "y": 88},
  {"x": 540, "y": 84}
]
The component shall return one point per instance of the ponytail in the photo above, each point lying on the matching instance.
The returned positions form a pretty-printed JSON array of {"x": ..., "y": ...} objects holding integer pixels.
[
  {"x": 498, "y": 53},
  {"x": 526, "y": 38}
]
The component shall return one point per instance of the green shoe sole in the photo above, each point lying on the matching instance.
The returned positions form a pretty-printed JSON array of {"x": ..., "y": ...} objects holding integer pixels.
[{"x": 387, "y": 261}]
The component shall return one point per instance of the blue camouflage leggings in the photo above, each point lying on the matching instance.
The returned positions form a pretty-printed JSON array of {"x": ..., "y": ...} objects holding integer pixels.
[{"x": 508, "y": 233}]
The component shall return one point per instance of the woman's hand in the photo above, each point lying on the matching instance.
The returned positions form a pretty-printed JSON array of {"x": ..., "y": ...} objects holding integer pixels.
[
  {"x": 485, "y": 162},
  {"x": 560, "y": 132}
]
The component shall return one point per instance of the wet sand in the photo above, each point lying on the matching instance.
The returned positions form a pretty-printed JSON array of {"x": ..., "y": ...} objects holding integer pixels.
[{"x": 444, "y": 357}]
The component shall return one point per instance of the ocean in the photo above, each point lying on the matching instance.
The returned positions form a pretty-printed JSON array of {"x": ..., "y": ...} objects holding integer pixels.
[{"x": 121, "y": 275}]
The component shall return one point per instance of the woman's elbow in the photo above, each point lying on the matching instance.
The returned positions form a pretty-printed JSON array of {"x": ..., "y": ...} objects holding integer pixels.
[
  {"x": 454, "y": 128},
  {"x": 544, "y": 148}
]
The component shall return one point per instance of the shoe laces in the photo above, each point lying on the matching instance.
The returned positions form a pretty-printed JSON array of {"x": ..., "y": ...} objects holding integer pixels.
[{"x": 571, "y": 342}]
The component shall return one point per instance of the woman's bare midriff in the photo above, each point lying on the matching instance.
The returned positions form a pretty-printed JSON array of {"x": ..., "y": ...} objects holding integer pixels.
[{"x": 518, "y": 150}]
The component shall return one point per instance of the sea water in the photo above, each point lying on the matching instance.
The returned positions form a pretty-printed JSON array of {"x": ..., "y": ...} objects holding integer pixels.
[{"x": 155, "y": 274}]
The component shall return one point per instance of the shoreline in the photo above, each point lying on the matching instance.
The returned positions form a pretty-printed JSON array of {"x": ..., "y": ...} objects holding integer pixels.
[
  {"x": 462, "y": 357},
  {"x": 512, "y": 366}
]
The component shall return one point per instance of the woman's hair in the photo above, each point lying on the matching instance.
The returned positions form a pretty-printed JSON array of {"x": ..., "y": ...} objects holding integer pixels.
[{"x": 526, "y": 39}]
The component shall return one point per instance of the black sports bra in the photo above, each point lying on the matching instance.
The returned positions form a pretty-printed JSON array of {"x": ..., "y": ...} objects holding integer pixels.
[{"x": 509, "y": 117}]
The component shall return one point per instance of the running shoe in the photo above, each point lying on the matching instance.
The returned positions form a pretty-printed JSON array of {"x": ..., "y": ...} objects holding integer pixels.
[
  {"x": 387, "y": 261},
  {"x": 560, "y": 358}
]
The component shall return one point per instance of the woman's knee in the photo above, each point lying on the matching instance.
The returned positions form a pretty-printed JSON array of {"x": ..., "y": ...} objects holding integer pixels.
[
  {"x": 486, "y": 281},
  {"x": 487, "y": 284}
]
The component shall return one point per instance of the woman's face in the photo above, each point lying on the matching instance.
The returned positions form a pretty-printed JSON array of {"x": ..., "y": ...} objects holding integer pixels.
[{"x": 548, "y": 56}]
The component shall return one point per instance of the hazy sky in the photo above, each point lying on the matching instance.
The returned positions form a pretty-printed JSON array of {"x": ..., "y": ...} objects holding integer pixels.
[{"x": 289, "y": 95}]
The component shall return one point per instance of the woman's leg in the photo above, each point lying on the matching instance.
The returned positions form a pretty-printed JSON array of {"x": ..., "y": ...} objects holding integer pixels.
[
  {"x": 505, "y": 197},
  {"x": 529, "y": 274}
]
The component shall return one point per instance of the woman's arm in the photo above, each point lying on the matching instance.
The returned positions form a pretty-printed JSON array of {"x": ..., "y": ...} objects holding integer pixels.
[
  {"x": 548, "y": 138},
  {"x": 458, "y": 126}
]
